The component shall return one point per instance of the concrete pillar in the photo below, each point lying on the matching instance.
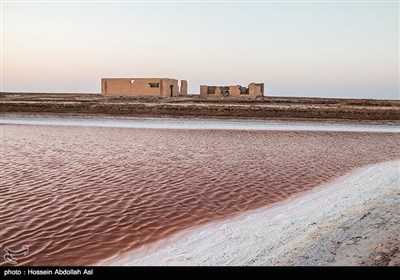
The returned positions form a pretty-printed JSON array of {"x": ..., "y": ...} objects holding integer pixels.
[
  {"x": 103, "y": 86},
  {"x": 256, "y": 90},
  {"x": 252, "y": 90},
  {"x": 164, "y": 88},
  {"x": 262, "y": 89},
  {"x": 203, "y": 91},
  {"x": 184, "y": 86},
  {"x": 218, "y": 91}
]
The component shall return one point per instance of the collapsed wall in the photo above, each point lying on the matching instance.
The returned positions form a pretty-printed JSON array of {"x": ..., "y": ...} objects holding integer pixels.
[{"x": 253, "y": 91}]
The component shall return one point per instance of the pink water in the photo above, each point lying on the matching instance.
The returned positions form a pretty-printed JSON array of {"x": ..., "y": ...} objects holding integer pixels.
[{"x": 77, "y": 195}]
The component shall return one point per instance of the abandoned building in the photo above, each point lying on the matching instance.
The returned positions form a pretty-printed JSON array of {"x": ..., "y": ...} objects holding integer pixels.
[
  {"x": 252, "y": 91},
  {"x": 143, "y": 87}
]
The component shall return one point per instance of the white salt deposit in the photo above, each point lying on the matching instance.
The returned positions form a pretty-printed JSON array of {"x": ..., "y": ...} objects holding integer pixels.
[
  {"x": 279, "y": 234},
  {"x": 199, "y": 123}
]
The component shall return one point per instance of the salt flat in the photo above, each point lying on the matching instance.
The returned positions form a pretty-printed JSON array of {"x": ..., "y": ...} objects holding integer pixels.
[{"x": 354, "y": 220}]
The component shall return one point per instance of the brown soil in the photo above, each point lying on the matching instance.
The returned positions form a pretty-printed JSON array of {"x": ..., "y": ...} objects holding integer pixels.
[{"x": 194, "y": 106}]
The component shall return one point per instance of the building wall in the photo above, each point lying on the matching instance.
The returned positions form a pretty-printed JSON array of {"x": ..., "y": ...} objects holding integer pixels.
[
  {"x": 141, "y": 87},
  {"x": 184, "y": 87},
  {"x": 203, "y": 91},
  {"x": 169, "y": 88},
  {"x": 252, "y": 91},
  {"x": 234, "y": 91},
  {"x": 256, "y": 90}
]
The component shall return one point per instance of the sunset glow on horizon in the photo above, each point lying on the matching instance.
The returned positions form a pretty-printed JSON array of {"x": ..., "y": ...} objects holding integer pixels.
[{"x": 317, "y": 49}]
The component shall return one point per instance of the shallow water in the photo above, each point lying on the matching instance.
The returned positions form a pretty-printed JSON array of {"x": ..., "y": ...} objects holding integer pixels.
[
  {"x": 282, "y": 234},
  {"x": 79, "y": 194}
]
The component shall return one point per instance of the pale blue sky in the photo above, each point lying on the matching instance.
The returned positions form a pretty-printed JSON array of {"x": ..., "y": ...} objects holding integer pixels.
[{"x": 326, "y": 49}]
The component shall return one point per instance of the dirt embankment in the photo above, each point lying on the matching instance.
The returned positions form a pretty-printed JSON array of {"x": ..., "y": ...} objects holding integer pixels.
[{"x": 193, "y": 106}]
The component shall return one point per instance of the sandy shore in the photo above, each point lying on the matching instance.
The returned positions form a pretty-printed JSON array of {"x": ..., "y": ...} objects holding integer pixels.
[{"x": 354, "y": 220}]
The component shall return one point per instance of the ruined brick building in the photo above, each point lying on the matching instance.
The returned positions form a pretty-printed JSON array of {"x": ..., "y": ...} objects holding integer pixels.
[
  {"x": 252, "y": 91},
  {"x": 143, "y": 87},
  {"x": 166, "y": 87}
]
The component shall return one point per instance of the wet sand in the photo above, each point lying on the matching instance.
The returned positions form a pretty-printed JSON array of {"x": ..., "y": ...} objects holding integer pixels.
[{"x": 79, "y": 195}]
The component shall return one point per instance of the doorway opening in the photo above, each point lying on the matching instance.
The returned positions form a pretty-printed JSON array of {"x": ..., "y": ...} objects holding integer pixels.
[{"x": 172, "y": 90}]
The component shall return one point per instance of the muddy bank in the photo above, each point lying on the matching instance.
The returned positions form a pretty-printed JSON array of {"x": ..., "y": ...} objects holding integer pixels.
[{"x": 193, "y": 106}]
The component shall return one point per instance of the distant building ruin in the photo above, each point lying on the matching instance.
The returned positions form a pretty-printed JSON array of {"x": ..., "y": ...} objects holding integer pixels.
[
  {"x": 252, "y": 91},
  {"x": 143, "y": 87}
]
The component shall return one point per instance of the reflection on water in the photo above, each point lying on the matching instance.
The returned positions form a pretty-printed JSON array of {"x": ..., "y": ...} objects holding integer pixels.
[{"x": 79, "y": 194}]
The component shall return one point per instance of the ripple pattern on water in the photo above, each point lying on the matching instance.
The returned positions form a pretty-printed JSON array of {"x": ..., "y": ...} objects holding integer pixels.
[{"x": 76, "y": 195}]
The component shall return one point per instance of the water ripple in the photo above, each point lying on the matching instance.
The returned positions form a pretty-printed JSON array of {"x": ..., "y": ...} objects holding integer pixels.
[{"x": 77, "y": 195}]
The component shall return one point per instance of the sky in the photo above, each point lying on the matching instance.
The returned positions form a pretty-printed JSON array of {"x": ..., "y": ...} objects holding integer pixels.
[{"x": 317, "y": 49}]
